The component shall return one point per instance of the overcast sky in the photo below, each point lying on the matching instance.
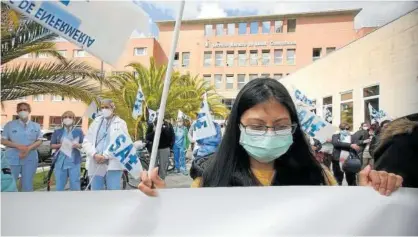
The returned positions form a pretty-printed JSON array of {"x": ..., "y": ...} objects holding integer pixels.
[{"x": 374, "y": 13}]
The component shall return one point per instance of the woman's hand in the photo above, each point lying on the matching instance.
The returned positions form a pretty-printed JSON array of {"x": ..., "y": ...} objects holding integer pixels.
[
  {"x": 383, "y": 182},
  {"x": 149, "y": 185},
  {"x": 77, "y": 146},
  {"x": 100, "y": 159}
]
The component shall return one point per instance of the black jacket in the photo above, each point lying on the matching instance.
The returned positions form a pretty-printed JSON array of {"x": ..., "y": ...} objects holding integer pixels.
[
  {"x": 166, "y": 139},
  {"x": 339, "y": 146},
  {"x": 359, "y": 137},
  {"x": 397, "y": 151}
]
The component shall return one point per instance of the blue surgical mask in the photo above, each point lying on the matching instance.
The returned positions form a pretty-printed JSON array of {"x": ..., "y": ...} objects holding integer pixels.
[
  {"x": 268, "y": 147},
  {"x": 345, "y": 132}
]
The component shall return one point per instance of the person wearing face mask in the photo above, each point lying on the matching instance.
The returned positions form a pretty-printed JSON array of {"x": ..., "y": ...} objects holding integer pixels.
[
  {"x": 67, "y": 167},
  {"x": 362, "y": 138},
  {"x": 181, "y": 144},
  {"x": 22, "y": 137},
  {"x": 343, "y": 143},
  {"x": 264, "y": 145},
  {"x": 101, "y": 165}
]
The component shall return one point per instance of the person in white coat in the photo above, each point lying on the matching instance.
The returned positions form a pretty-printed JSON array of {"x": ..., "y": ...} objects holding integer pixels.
[{"x": 101, "y": 165}]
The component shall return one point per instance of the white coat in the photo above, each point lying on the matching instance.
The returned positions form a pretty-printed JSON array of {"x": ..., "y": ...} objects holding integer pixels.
[{"x": 115, "y": 128}]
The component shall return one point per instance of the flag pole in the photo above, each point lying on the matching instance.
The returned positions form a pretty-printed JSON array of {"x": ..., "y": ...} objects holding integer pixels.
[{"x": 166, "y": 89}]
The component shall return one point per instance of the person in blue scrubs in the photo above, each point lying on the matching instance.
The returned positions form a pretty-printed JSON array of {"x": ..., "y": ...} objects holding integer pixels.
[
  {"x": 181, "y": 144},
  {"x": 22, "y": 137},
  {"x": 67, "y": 167},
  {"x": 8, "y": 183}
]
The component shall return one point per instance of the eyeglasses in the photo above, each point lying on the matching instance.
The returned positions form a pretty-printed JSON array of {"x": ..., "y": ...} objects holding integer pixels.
[
  {"x": 260, "y": 130},
  {"x": 67, "y": 117},
  {"x": 345, "y": 129}
]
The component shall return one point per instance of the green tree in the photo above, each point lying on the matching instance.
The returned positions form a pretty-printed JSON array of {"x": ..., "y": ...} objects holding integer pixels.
[
  {"x": 185, "y": 94},
  {"x": 21, "y": 36}
]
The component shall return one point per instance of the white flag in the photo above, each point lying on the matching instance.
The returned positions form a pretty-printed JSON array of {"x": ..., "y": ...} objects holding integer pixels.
[
  {"x": 327, "y": 115},
  {"x": 102, "y": 28},
  {"x": 92, "y": 111},
  {"x": 377, "y": 116},
  {"x": 204, "y": 127},
  {"x": 314, "y": 125},
  {"x": 139, "y": 100},
  {"x": 181, "y": 115},
  {"x": 152, "y": 115}
]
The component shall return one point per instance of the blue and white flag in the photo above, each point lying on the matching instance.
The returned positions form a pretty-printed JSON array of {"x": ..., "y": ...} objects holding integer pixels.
[
  {"x": 102, "y": 28},
  {"x": 139, "y": 101},
  {"x": 204, "y": 127},
  {"x": 327, "y": 115},
  {"x": 181, "y": 115},
  {"x": 303, "y": 100},
  {"x": 152, "y": 115},
  {"x": 314, "y": 125},
  {"x": 92, "y": 111},
  {"x": 377, "y": 116}
]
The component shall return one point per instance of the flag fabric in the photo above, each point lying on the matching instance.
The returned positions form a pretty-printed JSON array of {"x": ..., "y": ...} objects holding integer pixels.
[
  {"x": 327, "y": 115},
  {"x": 204, "y": 127},
  {"x": 139, "y": 101},
  {"x": 377, "y": 116},
  {"x": 91, "y": 25},
  {"x": 92, "y": 111},
  {"x": 152, "y": 115},
  {"x": 314, "y": 125},
  {"x": 181, "y": 115}
]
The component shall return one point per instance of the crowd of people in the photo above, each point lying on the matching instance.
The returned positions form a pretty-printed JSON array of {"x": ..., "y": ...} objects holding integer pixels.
[{"x": 261, "y": 144}]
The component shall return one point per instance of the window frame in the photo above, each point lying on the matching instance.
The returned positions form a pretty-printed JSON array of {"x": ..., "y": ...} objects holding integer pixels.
[
  {"x": 281, "y": 27},
  {"x": 287, "y": 23},
  {"x": 294, "y": 56},
  {"x": 145, "y": 51},
  {"x": 183, "y": 59},
  {"x": 221, "y": 58}
]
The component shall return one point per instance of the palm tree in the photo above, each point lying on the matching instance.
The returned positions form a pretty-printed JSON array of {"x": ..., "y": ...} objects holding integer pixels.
[
  {"x": 21, "y": 36},
  {"x": 185, "y": 94}
]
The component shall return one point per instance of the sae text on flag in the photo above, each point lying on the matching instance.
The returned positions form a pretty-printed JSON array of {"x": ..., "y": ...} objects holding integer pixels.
[
  {"x": 314, "y": 125},
  {"x": 139, "y": 101},
  {"x": 91, "y": 111},
  {"x": 204, "y": 127},
  {"x": 102, "y": 28}
]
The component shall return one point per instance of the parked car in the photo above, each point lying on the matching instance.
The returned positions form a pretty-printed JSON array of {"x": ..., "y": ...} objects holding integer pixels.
[{"x": 44, "y": 150}]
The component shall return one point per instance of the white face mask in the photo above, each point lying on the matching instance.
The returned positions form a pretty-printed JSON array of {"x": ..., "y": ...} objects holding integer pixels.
[
  {"x": 106, "y": 113},
  {"x": 23, "y": 114},
  {"x": 68, "y": 121}
]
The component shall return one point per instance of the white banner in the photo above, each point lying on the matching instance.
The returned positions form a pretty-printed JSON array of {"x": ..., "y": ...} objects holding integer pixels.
[
  {"x": 377, "y": 116},
  {"x": 152, "y": 115},
  {"x": 122, "y": 147},
  {"x": 91, "y": 111},
  {"x": 139, "y": 101},
  {"x": 302, "y": 99},
  {"x": 204, "y": 127},
  {"x": 314, "y": 125},
  {"x": 257, "y": 211},
  {"x": 102, "y": 28}
]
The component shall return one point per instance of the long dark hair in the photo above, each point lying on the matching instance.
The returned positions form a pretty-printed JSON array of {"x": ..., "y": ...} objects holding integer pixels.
[{"x": 231, "y": 165}]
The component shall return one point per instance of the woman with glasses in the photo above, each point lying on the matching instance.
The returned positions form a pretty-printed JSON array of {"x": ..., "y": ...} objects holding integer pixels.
[
  {"x": 263, "y": 145},
  {"x": 67, "y": 163}
]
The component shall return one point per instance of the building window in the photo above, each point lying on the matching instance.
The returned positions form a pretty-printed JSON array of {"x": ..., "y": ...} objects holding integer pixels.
[
  {"x": 254, "y": 28},
  {"x": 207, "y": 79},
  {"x": 231, "y": 29},
  {"x": 291, "y": 25},
  {"x": 266, "y": 27},
  {"x": 57, "y": 98},
  {"x": 219, "y": 58},
  {"x": 330, "y": 50},
  {"x": 316, "y": 54},
  {"x": 23, "y": 98},
  {"x": 241, "y": 81},
  {"x": 29, "y": 55},
  {"x": 278, "y": 76},
  {"x": 15, "y": 117},
  {"x": 253, "y": 76},
  {"x": 140, "y": 51},
  {"x": 229, "y": 81},
  {"x": 218, "y": 81},
  {"x": 118, "y": 73},
  {"x": 208, "y": 30},
  {"x": 266, "y": 57},
  {"x": 62, "y": 52},
  {"x": 371, "y": 97},
  {"x": 291, "y": 56},
  {"x": 253, "y": 57},
  {"x": 347, "y": 108},
  {"x": 265, "y": 75},
  {"x": 242, "y": 58},
  {"x": 38, "y": 98},
  {"x": 327, "y": 109},
  {"x": 207, "y": 59},
  {"x": 37, "y": 119},
  {"x": 185, "y": 59},
  {"x": 176, "y": 59},
  {"x": 55, "y": 122},
  {"x": 228, "y": 103},
  {"x": 242, "y": 28},
  {"x": 78, "y": 53},
  {"x": 230, "y": 58},
  {"x": 42, "y": 55},
  {"x": 75, "y": 100},
  {"x": 219, "y": 29},
  {"x": 278, "y": 56},
  {"x": 278, "y": 26}
]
